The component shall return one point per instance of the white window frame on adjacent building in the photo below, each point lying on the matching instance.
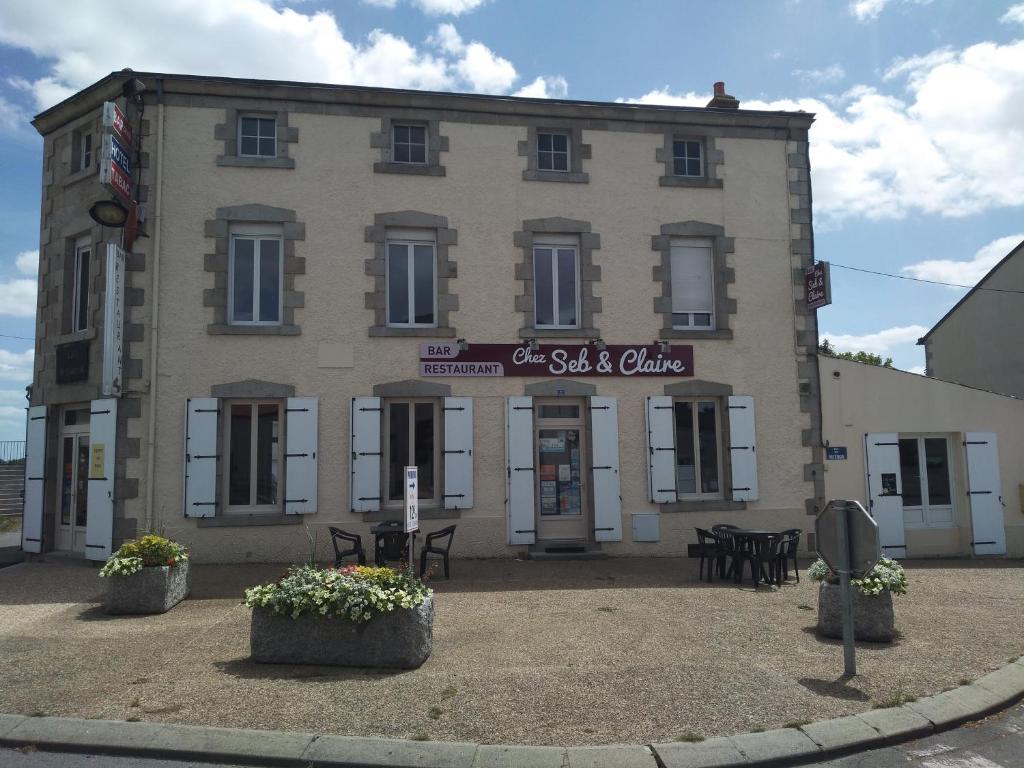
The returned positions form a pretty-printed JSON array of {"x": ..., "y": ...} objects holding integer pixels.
[
  {"x": 691, "y": 260},
  {"x": 258, "y": 233},
  {"x": 685, "y": 158},
  {"x": 692, "y": 403},
  {"x": 556, "y": 244},
  {"x": 259, "y": 136},
  {"x": 409, "y": 240},
  {"x": 409, "y": 143},
  {"x": 277, "y": 505},
  {"x": 387, "y": 502},
  {"x": 80, "y": 296},
  {"x": 926, "y": 514},
  {"x": 552, "y": 152}
]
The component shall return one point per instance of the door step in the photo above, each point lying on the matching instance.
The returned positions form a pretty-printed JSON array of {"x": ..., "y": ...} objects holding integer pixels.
[{"x": 566, "y": 550}]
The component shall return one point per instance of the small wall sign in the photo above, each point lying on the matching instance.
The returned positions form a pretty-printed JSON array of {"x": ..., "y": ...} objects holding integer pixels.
[
  {"x": 73, "y": 362},
  {"x": 412, "y": 516},
  {"x": 835, "y": 453},
  {"x": 818, "y": 285}
]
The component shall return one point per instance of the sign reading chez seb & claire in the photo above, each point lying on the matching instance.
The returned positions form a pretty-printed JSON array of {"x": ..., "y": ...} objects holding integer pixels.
[{"x": 448, "y": 359}]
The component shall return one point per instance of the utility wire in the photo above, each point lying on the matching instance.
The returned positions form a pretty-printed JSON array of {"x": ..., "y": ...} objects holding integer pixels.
[
  {"x": 23, "y": 338},
  {"x": 922, "y": 280}
]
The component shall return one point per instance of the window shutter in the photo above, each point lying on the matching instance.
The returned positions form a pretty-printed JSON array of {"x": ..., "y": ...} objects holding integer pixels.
[
  {"x": 200, "y": 493},
  {"x": 691, "y": 278},
  {"x": 604, "y": 435},
  {"x": 743, "y": 448},
  {"x": 661, "y": 452},
  {"x": 985, "y": 492},
  {"x": 522, "y": 525},
  {"x": 99, "y": 527},
  {"x": 458, "y": 452},
  {"x": 35, "y": 463},
  {"x": 300, "y": 468},
  {"x": 885, "y": 487},
  {"x": 366, "y": 481}
]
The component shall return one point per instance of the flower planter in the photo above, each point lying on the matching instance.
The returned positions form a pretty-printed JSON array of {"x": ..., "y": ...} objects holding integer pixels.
[
  {"x": 873, "y": 618},
  {"x": 155, "y": 589},
  {"x": 401, "y": 639}
]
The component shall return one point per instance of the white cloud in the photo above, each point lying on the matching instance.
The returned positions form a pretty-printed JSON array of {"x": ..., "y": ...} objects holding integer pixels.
[
  {"x": 12, "y": 117},
  {"x": 665, "y": 96},
  {"x": 447, "y": 38},
  {"x": 27, "y": 262},
  {"x": 16, "y": 366},
  {"x": 15, "y": 397},
  {"x": 389, "y": 4},
  {"x": 485, "y": 71},
  {"x": 865, "y": 10},
  {"x": 555, "y": 87},
  {"x": 448, "y": 7},
  {"x": 879, "y": 343},
  {"x": 18, "y": 297},
  {"x": 1014, "y": 14},
  {"x": 830, "y": 74},
  {"x": 965, "y": 272},
  {"x": 918, "y": 369}
]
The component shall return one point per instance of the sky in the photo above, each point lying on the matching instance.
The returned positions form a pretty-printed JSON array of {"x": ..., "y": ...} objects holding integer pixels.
[{"x": 915, "y": 153}]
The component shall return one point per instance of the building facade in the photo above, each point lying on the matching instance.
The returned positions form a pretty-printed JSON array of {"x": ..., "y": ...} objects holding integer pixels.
[{"x": 582, "y": 322}]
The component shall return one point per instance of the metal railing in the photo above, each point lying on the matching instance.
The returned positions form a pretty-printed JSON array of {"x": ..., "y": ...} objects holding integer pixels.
[{"x": 12, "y": 450}]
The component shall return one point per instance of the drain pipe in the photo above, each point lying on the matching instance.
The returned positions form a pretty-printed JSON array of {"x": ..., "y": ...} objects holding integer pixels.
[{"x": 155, "y": 316}]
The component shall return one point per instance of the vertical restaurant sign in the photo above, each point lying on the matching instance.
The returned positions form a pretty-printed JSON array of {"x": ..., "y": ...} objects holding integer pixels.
[
  {"x": 453, "y": 359},
  {"x": 113, "y": 321},
  {"x": 817, "y": 285}
]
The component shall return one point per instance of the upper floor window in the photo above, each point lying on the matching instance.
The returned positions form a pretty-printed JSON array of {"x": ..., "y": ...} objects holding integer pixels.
[
  {"x": 81, "y": 150},
  {"x": 687, "y": 158},
  {"x": 253, "y": 446},
  {"x": 556, "y": 283},
  {"x": 697, "y": 427},
  {"x": 257, "y": 136},
  {"x": 552, "y": 151},
  {"x": 411, "y": 279},
  {"x": 409, "y": 144},
  {"x": 80, "y": 297},
  {"x": 255, "y": 268},
  {"x": 693, "y": 303}
]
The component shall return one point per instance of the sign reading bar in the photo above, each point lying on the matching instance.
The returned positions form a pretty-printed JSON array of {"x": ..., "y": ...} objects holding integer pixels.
[
  {"x": 115, "y": 119},
  {"x": 447, "y": 359},
  {"x": 817, "y": 285},
  {"x": 113, "y": 321}
]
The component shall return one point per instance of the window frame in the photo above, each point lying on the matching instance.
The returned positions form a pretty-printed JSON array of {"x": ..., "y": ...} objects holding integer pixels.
[
  {"x": 387, "y": 503},
  {"x": 425, "y": 145},
  {"x": 409, "y": 239},
  {"x": 242, "y": 117},
  {"x": 252, "y": 509},
  {"x": 709, "y": 245},
  {"x": 80, "y": 313},
  {"x": 701, "y": 157},
  {"x": 552, "y": 152},
  {"x": 554, "y": 244},
  {"x": 719, "y": 403},
  {"x": 258, "y": 233},
  {"x": 926, "y": 506}
]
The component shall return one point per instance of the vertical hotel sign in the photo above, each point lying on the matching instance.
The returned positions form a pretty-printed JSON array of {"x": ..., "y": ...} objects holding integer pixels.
[
  {"x": 113, "y": 322},
  {"x": 115, "y": 157}
]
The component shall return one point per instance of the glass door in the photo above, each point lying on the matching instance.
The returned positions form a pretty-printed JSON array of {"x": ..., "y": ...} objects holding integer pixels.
[
  {"x": 74, "y": 492},
  {"x": 561, "y": 463}
]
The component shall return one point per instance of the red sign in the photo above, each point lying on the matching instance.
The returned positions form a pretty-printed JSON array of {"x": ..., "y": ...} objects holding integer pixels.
[
  {"x": 447, "y": 359},
  {"x": 118, "y": 181},
  {"x": 114, "y": 118}
]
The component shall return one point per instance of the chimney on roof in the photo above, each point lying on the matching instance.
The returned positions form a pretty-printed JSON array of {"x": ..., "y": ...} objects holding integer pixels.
[{"x": 722, "y": 100}]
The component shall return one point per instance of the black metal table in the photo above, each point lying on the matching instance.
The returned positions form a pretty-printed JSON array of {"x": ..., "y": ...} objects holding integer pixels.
[
  {"x": 390, "y": 541},
  {"x": 747, "y": 543}
]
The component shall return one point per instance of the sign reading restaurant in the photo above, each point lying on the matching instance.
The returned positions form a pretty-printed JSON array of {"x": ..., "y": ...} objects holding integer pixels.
[{"x": 448, "y": 359}]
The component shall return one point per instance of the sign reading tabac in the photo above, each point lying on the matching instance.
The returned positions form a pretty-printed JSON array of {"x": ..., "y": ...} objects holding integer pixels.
[{"x": 451, "y": 359}]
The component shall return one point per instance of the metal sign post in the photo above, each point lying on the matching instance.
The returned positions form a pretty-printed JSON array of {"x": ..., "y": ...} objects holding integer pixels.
[
  {"x": 412, "y": 518},
  {"x": 845, "y": 599}
]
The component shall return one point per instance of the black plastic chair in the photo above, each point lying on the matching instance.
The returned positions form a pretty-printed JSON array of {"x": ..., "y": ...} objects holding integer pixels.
[
  {"x": 764, "y": 559},
  {"x": 443, "y": 550},
  {"x": 787, "y": 552},
  {"x": 711, "y": 548},
  {"x": 391, "y": 542},
  {"x": 339, "y": 536},
  {"x": 723, "y": 533}
]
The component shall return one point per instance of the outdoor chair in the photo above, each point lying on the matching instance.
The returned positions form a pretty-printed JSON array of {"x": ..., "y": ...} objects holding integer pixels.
[
  {"x": 787, "y": 553},
  {"x": 723, "y": 534},
  {"x": 765, "y": 559},
  {"x": 340, "y": 538},
  {"x": 391, "y": 542},
  {"x": 446, "y": 536},
  {"x": 711, "y": 548}
]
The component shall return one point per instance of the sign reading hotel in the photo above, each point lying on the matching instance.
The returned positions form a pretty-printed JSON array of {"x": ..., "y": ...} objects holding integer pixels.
[
  {"x": 447, "y": 359},
  {"x": 817, "y": 285}
]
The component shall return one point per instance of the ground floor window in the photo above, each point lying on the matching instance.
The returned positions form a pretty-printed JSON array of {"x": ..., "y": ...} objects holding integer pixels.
[
  {"x": 697, "y": 424},
  {"x": 252, "y": 443},
  {"x": 927, "y": 491},
  {"x": 412, "y": 438}
]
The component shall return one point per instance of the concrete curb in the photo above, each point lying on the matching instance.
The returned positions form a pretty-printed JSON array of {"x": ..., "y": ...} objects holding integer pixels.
[{"x": 787, "y": 746}]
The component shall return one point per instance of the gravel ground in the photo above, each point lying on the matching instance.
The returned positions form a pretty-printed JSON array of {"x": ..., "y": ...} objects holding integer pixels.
[{"x": 566, "y": 653}]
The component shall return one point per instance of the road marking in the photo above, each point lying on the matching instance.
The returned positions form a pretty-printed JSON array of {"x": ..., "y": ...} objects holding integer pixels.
[{"x": 968, "y": 761}]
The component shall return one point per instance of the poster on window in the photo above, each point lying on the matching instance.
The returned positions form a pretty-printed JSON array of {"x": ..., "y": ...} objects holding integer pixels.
[
  {"x": 551, "y": 444},
  {"x": 548, "y": 471}
]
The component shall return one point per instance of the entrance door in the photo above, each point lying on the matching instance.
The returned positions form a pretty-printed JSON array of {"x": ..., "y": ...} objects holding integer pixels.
[
  {"x": 73, "y": 488},
  {"x": 561, "y": 462}
]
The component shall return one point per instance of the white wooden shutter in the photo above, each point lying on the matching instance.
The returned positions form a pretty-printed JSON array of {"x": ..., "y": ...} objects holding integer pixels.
[
  {"x": 458, "y": 452},
  {"x": 743, "y": 448},
  {"x": 885, "y": 488},
  {"x": 661, "y": 452},
  {"x": 985, "y": 491},
  {"x": 300, "y": 469},
  {"x": 366, "y": 480},
  {"x": 99, "y": 525},
  {"x": 35, "y": 463},
  {"x": 604, "y": 451},
  {"x": 520, "y": 472},
  {"x": 199, "y": 498}
]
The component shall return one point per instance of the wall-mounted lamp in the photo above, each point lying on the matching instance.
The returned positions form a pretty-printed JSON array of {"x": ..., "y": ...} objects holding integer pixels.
[
  {"x": 534, "y": 346},
  {"x": 463, "y": 345},
  {"x": 109, "y": 213},
  {"x": 599, "y": 343},
  {"x": 665, "y": 347}
]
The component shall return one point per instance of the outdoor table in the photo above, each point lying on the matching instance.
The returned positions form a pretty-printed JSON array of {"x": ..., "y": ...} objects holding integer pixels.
[
  {"x": 746, "y": 545},
  {"x": 390, "y": 538}
]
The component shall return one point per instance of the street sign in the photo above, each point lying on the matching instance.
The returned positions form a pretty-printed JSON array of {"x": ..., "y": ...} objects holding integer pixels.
[
  {"x": 835, "y": 453},
  {"x": 412, "y": 517},
  {"x": 864, "y": 546}
]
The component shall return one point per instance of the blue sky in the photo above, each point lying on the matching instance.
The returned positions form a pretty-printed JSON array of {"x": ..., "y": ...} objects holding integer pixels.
[{"x": 915, "y": 154}]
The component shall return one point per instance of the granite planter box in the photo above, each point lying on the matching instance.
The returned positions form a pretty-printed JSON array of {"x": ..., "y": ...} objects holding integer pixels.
[
  {"x": 873, "y": 618},
  {"x": 401, "y": 639},
  {"x": 155, "y": 589}
]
